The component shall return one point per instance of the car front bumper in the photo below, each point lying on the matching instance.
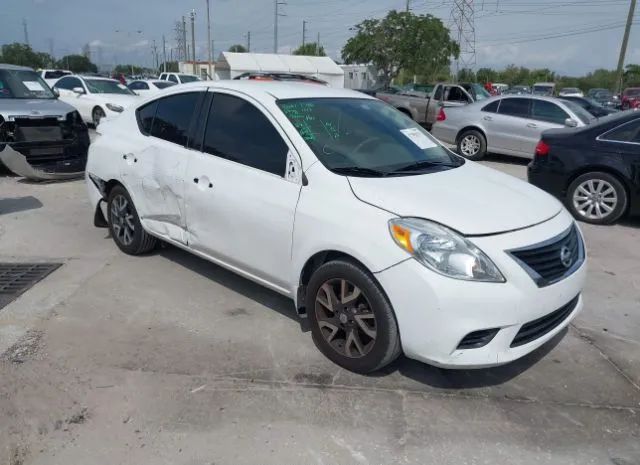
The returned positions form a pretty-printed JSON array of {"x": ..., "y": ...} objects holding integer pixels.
[{"x": 435, "y": 313}]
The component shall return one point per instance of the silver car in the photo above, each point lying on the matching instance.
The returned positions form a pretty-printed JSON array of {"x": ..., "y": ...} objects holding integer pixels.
[{"x": 509, "y": 125}]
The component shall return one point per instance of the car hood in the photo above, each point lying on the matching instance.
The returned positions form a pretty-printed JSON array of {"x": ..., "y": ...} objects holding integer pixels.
[
  {"x": 471, "y": 199},
  {"x": 119, "y": 99},
  {"x": 34, "y": 107}
]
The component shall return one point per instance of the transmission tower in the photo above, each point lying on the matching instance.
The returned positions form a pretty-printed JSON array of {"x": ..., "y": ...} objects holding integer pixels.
[
  {"x": 178, "y": 37},
  {"x": 464, "y": 29}
]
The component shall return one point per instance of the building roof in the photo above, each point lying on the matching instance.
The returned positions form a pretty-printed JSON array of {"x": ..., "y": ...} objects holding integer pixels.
[{"x": 276, "y": 63}]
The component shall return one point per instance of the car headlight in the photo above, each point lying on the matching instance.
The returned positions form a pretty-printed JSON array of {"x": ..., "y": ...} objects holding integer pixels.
[
  {"x": 443, "y": 250},
  {"x": 116, "y": 108}
]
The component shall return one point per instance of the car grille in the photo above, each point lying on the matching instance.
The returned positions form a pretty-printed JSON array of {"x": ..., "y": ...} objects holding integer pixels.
[
  {"x": 552, "y": 260},
  {"x": 538, "y": 328}
]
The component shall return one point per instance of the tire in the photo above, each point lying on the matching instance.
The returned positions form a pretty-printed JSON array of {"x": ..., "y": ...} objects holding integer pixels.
[
  {"x": 597, "y": 198},
  {"x": 96, "y": 115},
  {"x": 123, "y": 217},
  {"x": 472, "y": 144},
  {"x": 374, "y": 315}
]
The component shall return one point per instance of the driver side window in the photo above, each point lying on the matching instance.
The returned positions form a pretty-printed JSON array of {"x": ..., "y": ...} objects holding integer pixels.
[{"x": 172, "y": 78}]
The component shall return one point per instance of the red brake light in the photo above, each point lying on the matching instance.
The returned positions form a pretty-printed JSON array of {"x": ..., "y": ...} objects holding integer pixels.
[
  {"x": 441, "y": 115},
  {"x": 542, "y": 149}
]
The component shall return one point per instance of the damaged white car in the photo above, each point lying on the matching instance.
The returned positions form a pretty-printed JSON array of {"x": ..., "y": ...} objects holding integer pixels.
[{"x": 41, "y": 138}]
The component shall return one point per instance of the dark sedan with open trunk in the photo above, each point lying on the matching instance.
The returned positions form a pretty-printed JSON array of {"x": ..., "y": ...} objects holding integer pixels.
[{"x": 594, "y": 169}]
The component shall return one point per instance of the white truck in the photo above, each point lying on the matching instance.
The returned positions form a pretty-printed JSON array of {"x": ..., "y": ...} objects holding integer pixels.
[{"x": 179, "y": 78}]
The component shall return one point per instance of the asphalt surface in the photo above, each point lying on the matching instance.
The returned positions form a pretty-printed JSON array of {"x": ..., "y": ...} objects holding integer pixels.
[{"x": 168, "y": 359}]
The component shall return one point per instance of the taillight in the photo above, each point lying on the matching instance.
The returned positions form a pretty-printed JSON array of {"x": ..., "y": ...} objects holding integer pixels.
[
  {"x": 542, "y": 149},
  {"x": 441, "y": 115}
]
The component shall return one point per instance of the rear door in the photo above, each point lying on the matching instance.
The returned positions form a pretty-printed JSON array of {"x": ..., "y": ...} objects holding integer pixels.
[
  {"x": 624, "y": 141},
  {"x": 507, "y": 126},
  {"x": 241, "y": 192},
  {"x": 544, "y": 115},
  {"x": 155, "y": 166}
]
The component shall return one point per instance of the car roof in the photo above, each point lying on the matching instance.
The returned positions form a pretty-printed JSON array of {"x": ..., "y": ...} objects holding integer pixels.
[
  {"x": 279, "y": 89},
  {"x": 97, "y": 78},
  {"x": 15, "y": 67}
]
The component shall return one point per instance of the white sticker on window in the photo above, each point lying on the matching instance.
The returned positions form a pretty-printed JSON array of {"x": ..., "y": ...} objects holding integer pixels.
[
  {"x": 418, "y": 138},
  {"x": 33, "y": 86}
]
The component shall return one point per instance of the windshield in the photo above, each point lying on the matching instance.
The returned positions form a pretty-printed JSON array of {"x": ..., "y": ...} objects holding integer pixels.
[
  {"x": 571, "y": 90},
  {"x": 364, "y": 137},
  {"x": 481, "y": 92},
  {"x": 56, "y": 74},
  {"x": 547, "y": 89},
  {"x": 188, "y": 78},
  {"x": 105, "y": 86},
  {"x": 632, "y": 92},
  {"x": 163, "y": 84},
  {"x": 582, "y": 114},
  {"x": 23, "y": 84}
]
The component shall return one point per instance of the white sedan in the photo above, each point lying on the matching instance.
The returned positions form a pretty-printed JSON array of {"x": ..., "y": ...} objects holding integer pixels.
[
  {"x": 95, "y": 97},
  {"x": 385, "y": 240},
  {"x": 149, "y": 86}
]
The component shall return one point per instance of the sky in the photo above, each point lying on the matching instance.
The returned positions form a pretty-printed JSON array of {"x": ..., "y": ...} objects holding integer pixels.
[{"x": 571, "y": 37}]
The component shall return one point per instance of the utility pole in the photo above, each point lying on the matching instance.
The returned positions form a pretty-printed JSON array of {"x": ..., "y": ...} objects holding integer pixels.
[
  {"x": 209, "y": 39},
  {"x": 623, "y": 47},
  {"x": 164, "y": 54},
  {"x": 51, "y": 51},
  {"x": 155, "y": 54},
  {"x": 408, "y": 7},
  {"x": 318, "y": 45},
  {"x": 193, "y": 39},
  {"x": 276, "y": 13},
  {"x": 304, "y": 32},
  {"x": 248, "y": 41},
  {"x": 26, "y": 32},
  {"x": 184, "y": 40}
]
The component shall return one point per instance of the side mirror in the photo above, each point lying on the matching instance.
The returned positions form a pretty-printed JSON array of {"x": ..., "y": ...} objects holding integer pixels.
[
  {"x": 570, "y": 123},
  {"x": 78, "y": 90},
  {"x": 55, "y": 92}
]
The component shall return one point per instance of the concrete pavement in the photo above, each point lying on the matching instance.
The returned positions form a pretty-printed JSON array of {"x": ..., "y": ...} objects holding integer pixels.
[{"x": 170, "y": 359}]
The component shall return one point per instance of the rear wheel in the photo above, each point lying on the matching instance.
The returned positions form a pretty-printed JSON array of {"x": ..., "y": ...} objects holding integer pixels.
[
  {"x": 472, "y": 144},
  {"x": 597, "y": 198},
  {"x": 351, "y": 320},
  {"x": 124, "y": 224}
]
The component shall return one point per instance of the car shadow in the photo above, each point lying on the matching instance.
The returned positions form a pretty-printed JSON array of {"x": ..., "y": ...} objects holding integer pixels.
[
  {"x": 507, "y": 159},
  {"x": 18, "y": 204},
  {"x": 425, "y": 374},
  {"x": 231, "y": 281}
]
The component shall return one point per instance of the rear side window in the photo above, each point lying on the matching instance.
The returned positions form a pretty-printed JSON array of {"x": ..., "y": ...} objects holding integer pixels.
[
  {"x": 173, "y": 117},
  {"x": 546, "y": 111},
  {"x": 628, "y": 132},
  {"x": 68, "y": 83},
  {"x": 492, "y": 107},
  {"x": 238, "y": 131},
  {"x": 172, "y": 78},
  {"x": 515, "y": 107},
  {"x": 163, "y": 84},
  {"x": 145, "y": 117}
]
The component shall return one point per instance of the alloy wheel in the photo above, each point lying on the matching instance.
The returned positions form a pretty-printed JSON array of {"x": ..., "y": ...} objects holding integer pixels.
[
  {"x": 470, "y": 145},
  {"x": 122, "y": 220},
  {"x": 595, "y": 199},
  {"x": 346, "y": 320}
]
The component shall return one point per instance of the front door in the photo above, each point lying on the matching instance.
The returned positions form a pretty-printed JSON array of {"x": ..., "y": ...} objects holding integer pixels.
[
  {"x": 544, "y": 115},
  {"x": 240, "y": 203},
  {"x": 154, "y": 169},
  {"x": 508, "y": 125}
]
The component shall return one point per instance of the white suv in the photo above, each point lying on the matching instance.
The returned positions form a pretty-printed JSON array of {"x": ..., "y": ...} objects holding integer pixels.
[
  {"x": 179, "y": 78},
  {"x": 385, "y": 240}
]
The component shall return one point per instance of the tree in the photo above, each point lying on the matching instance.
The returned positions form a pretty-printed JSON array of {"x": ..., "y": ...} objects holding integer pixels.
[
  {"x": 631, "y": 77},
  {"x": 419, "y": 44},
  {"x": 238, "y": 48},
  {"x": 310, "y": 49},
  {"x": 77, "y": 64},
  {"x": 486, "y": 75},
  {"x": 24, "y": 55},
  {"x": 466, "y": 75}
]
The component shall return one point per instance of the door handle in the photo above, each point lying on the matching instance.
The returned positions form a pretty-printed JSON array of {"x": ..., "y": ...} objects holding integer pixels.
[
  {"x": 196, "y": 180},
  {"x": 532, "y": 125},
  {"x": 210, "y": 186},
  {"x": 488, "y": 118}
]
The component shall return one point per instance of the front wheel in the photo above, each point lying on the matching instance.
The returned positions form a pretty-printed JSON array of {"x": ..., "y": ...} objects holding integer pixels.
[
  {"x": 124, "y": 224},
  {"x": 472, "y": 145},
  {"x": 97, "y": 115},
  {"x": 351, "y": 319},
  {"x": 597, "y": 198}
]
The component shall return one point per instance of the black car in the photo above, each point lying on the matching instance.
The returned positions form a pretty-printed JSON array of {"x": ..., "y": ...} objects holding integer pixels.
[
  {"x": 594, "y": 169},
  {"x": 591, "y": 106}
]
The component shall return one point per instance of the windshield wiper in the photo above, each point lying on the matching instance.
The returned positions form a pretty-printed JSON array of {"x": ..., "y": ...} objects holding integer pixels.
[
  {"x": 359, "y": 171},
  {"x": 419, "y": 165}
]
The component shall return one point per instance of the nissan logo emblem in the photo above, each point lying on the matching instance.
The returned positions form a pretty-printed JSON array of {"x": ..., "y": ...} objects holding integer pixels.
[{"x": 565, "y": 256}]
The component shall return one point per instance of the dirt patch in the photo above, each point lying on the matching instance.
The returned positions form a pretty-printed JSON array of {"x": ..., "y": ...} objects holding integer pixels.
[
  {"x": 27, "y": 348},
  {"x": 313, "y": 378}
]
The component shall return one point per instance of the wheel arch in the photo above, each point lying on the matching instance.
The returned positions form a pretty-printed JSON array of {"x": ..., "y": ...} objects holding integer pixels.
[
  {"x": 312, "y": 264},
  {"x": 471, "y": 127},
  {"x": 598, "y": 168}
]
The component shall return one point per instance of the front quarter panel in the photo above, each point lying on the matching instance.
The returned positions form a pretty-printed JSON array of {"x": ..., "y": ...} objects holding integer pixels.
[{"x": 329, "y": 217}]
